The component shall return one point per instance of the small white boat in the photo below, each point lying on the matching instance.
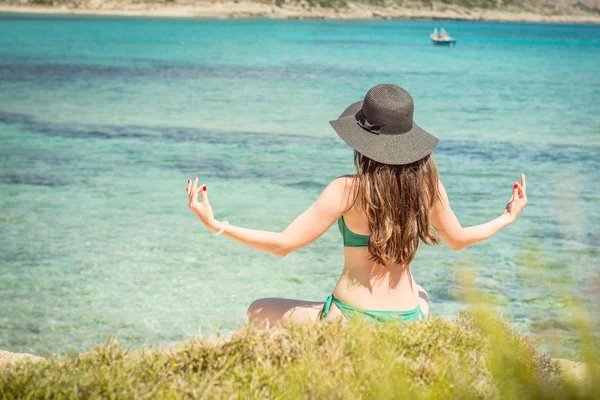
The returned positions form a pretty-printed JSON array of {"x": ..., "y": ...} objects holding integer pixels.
[{"x": 442, "y": 38}]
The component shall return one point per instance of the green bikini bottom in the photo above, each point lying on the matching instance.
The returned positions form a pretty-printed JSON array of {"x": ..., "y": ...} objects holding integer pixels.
[{"x": 351, "y": 312}]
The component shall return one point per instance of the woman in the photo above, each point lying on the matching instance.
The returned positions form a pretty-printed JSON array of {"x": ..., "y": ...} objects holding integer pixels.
[{"x": 393, "y": 202}]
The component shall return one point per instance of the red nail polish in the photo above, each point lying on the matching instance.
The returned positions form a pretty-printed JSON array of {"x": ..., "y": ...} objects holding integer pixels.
[
  {"x": 188, "y": 181},
  {"x": 204, "y": 188},
  {"x": 516, "y": 186}
]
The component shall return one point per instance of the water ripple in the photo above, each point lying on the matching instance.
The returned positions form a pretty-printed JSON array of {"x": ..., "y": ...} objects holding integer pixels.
[
  {"x": 144, "y": 69},
  {"x": 463, "y": 149},
  {"x": 40, "y": 180}
]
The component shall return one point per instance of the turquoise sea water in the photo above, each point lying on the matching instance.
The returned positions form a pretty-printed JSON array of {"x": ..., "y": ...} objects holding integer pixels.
[{"x": 103, "y": 120}]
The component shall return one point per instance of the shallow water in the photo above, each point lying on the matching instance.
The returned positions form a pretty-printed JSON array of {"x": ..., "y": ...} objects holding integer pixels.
[{"x": 102, "y": 121}]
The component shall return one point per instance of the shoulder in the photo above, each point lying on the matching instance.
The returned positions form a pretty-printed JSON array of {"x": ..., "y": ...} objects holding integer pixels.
[
  {"x": 441, "y": 198},
  {"x": 338, "y": 192},
  {"x": 341, "y": 191},
  {"x": 342, "y": 186},
  {"x": 441, "y": 189}
]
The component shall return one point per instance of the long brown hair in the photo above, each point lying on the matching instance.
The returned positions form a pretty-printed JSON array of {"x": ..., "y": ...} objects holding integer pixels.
[{"x": 397, "y": 200}]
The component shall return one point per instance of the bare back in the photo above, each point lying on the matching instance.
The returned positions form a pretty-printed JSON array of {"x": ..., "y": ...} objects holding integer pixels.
[{"x": 365, "y": 283}]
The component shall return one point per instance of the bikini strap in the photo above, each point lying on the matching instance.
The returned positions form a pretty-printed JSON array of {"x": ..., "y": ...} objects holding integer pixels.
[{"x": 326, "y": 307}]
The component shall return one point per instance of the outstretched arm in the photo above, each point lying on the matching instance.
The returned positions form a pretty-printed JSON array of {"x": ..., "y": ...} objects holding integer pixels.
[
  {"x": 306, "y": 228},
  {"x": 454, "y": 235}
]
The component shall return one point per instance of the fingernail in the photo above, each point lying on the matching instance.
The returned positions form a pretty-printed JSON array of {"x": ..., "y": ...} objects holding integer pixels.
[
  {"x": 188, "y": 181},
  {"x": 516, "y": 186},
  {"x": 204, "y": 188},
  {"x": 195, "y": 178}
]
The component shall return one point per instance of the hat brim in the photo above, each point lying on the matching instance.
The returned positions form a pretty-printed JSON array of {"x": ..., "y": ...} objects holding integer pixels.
[{"x": 404, "y": 148}]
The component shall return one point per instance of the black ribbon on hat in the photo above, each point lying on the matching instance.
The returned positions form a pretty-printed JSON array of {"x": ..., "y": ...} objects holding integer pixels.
[{"x": 361, "y": 120}]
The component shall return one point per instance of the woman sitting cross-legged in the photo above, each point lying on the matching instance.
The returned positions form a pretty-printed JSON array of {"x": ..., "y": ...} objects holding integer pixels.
[{"x": 384, "y": 211}]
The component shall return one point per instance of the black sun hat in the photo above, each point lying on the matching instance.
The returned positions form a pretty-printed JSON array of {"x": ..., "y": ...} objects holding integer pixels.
[{"x": 382, "y": 128}]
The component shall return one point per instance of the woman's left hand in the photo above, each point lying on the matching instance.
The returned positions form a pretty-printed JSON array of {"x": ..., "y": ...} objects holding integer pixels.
[
  {"x": 518, "y": 201},
  {"x": 202, "y": 210}
]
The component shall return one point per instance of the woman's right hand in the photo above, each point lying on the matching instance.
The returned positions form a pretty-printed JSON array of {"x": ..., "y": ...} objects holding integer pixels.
[
  {"x": 518, "y": 201},
  {"x": 202, "y": 210}
]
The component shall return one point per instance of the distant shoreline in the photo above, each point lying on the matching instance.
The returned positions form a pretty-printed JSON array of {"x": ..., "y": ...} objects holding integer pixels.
[{"x": 248, "y": 9}]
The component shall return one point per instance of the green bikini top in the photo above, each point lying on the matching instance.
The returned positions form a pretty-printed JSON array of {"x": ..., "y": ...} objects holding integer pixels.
[{"x": 350, "y": 238}]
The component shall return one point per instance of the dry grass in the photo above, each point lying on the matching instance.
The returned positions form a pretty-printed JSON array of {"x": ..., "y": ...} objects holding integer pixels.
[{"x": 473, "y": 357}]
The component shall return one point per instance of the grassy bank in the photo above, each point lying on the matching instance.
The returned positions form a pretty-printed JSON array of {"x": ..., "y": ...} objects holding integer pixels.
[{"x": 468, "y": 358}]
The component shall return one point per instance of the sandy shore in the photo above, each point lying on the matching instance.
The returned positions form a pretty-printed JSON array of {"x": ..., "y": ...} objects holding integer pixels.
[{"x": 246, "y": 9}]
